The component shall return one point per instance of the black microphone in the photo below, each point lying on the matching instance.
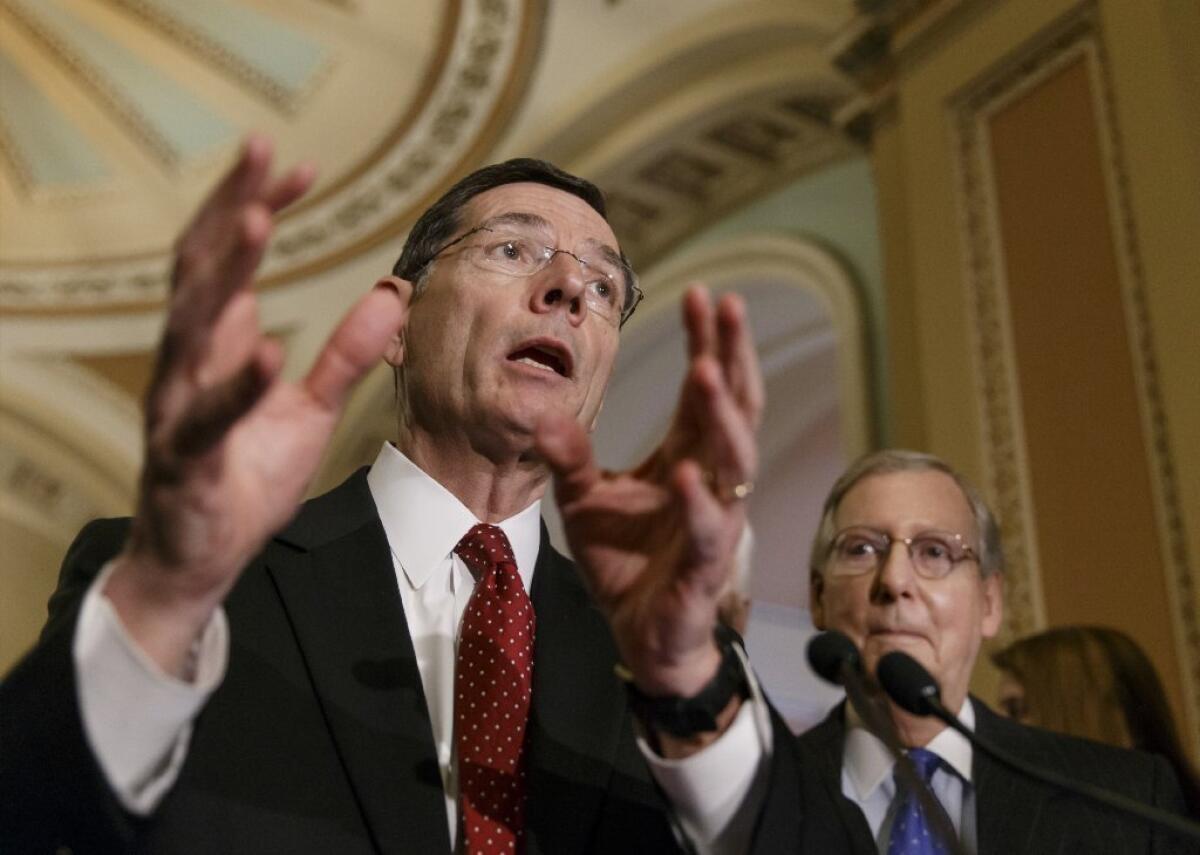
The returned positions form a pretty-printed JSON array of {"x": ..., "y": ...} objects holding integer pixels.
[
  {"x": 908, "y": 684},
  {"x": 913, "y": 689},
  {"x": 836, "y": 659}
]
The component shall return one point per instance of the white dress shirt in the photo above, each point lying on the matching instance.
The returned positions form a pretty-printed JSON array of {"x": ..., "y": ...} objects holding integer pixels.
[
  {"x": 424, "y": 522},
  {"x": 867, "y": 778},
  {"x": 138, "y": 719}
]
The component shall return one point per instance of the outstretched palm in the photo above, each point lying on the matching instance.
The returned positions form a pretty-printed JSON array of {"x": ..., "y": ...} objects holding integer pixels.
[
  {"x": 656, "y": 543},
  {"x": 230, "y": 446}
]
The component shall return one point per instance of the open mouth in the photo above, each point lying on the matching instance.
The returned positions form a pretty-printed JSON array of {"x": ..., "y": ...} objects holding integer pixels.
[{"x": 545, "y": 354}]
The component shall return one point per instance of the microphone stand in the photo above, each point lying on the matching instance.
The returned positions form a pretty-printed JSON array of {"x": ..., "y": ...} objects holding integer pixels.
[
  {"x": 1149, "y": 813},
  {"x": 912, "y": 688},
  {"x": 879, "y": 722}
]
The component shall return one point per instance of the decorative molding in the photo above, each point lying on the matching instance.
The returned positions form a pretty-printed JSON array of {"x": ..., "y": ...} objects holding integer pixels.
[
  {"x": 236, "y": 64},
  {"x": 799, "y": 263},
  {"x": 863, "y": 50},
  {"x": 876, "y": 42},
  {"x": 61, "y": 36},
  {"x": 1006, "y": 465},
  {"x": 41, "y": 144},
  {"x": 469, "y": 100},
  {"x": 1182, "y": 583},
  {"x": 859, "y": 117},
  {"x": 661, "y": 192},
  {"x": 42, "y": 495},
  {"x": 1076, "y": 37},
  {"x": 1003, "y": 438},
  {"x": 57, "y": 471}
]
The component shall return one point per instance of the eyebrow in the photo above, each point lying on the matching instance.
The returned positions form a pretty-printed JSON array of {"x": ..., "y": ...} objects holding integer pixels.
[
  {"x": 523, "y": 218},
  {"x": 517, "y": 218}
]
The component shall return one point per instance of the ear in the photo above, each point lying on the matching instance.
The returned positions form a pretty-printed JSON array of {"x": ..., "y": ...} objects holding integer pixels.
[
  {"x": 993, "y": 605},
  {"x": 394, "y": 355},
  {"x": 816, "y": 603}
]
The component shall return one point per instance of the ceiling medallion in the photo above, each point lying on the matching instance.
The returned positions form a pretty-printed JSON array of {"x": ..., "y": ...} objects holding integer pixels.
[{"x": 119, "y": 114}]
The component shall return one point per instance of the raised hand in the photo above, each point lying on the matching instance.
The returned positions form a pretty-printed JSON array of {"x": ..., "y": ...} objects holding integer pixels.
[
  {"x": 230, "y": 447},
  {"x": 656, "y": 543}
]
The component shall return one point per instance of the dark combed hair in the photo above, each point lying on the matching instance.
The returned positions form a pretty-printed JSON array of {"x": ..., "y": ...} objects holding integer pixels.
[{"x": 443, "y": 218}]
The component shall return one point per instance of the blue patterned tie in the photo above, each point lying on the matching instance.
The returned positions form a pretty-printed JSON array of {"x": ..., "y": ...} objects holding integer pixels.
[{"x": 912, "y": 831}]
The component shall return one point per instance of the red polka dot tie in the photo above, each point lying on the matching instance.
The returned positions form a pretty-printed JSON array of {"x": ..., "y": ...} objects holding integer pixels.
[{"x": 493, "y": 681}]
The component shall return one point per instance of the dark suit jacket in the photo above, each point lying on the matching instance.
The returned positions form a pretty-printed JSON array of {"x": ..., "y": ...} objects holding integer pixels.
[
  {"x": 807, "y": 813},
  {"x": 319, "y": 740}
]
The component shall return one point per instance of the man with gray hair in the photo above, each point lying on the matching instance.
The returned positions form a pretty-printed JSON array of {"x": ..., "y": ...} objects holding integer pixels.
[{"x": 907, "y": 557}]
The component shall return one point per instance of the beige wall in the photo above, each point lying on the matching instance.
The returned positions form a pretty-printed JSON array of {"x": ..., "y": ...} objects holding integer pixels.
[{"x": 1037, "y": 166}]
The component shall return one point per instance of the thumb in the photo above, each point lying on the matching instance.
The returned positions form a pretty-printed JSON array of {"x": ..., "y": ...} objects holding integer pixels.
[
  {"x": 564, "y": 445},
  {"x": 359, "y": 342}
]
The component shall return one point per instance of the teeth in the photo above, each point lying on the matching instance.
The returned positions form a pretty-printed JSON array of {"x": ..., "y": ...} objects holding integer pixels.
[{"x": 529, "y": 361}]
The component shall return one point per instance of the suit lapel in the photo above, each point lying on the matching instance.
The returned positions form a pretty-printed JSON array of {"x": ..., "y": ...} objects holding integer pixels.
[
  {"x": 1007, "y": 807},
  {"x": 578, "y": 708},
  {"x": 335, "y": 575},
  {"x": 822, "y": 748}
]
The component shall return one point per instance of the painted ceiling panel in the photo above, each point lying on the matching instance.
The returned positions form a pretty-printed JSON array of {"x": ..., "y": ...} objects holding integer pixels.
[
  {"x": 170, "y": 120},
  {"x": 388, "y": 99},
  {"x": 274, "y": 55},
  {"x": 46, "y": 148}
]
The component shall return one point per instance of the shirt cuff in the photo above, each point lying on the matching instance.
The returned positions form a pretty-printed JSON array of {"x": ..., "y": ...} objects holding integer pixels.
[
  {"x": 137, "y": 718},
  {"x": 713, "y": 791}
]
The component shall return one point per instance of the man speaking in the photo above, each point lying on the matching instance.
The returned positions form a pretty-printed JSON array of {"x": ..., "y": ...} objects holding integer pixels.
[{"x": 403, "y": 664}]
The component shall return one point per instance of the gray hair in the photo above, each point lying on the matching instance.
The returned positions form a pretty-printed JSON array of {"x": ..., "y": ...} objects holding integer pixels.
[{"x": 888, "y": 461}]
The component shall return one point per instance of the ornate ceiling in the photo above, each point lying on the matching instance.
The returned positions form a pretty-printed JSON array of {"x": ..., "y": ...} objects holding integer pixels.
[{"x": 116, "y": 115}]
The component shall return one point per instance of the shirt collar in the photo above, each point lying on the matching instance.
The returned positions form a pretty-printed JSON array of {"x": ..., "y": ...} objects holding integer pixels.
[
  {"x": 869, "y": 763},
  {"x": 424, "y": 521}
]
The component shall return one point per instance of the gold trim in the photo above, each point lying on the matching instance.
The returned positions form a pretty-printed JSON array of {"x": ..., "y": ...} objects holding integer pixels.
[
  {"x": 501, "y": 115},
  {"x": 1182, "y": 586},
  {"x": 93, "y": 78},
  {"x": 152, "y": 277},
  {"x": 99, "y": 456},
  {"x": 1076, "y": 36},
  {"x": 18, "y": 166},
  {"x": 433, "y": 71},
  {"x": 277, "y": 96}
]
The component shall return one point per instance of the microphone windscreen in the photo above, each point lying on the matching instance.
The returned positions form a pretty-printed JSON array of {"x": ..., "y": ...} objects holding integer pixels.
[
  {"x": 907, "y": 682},
  {"x": 827, "y": 652}
]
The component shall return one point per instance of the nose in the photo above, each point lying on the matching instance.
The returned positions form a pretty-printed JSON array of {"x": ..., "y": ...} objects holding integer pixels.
[
  {"x": 896, "y": 578},
  {"x": 559, "y": 286}
]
